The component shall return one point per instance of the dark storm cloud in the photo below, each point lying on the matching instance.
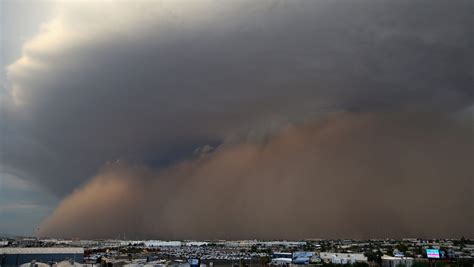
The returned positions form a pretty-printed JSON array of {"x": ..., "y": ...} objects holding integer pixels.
[{"x": 138, "y": 82}]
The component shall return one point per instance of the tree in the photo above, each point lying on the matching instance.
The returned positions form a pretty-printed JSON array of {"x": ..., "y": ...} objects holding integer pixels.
[
  {"x": 420, "y": 264},
  {"x": 390, "y": 251},
  {"x": 309, "y": 246},
  {"x": 360, "y": 264},
  {"x": 253, "y": 249},
  {"x": 265, "y": 260},
  {"x": 402, "y": 247},
  {"x": 374, "y": 256}
]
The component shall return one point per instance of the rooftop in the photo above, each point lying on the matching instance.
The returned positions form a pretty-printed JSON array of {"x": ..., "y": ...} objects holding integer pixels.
[{"x": 50, "y": 250}]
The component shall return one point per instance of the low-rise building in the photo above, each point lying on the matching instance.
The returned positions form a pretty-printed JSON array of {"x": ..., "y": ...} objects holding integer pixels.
[
  {"x": 389, "y": 261},
  {"x": 342, "y": 258},
  {"x": 14, "y": 256}
]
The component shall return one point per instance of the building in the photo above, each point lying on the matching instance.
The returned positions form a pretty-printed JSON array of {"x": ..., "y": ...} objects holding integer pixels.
[
  {"x": 34, "y": 264},
  {"x": 389, "y": 261},
  {"x": 342, "y": 258},
  {"x": 281, "y": 258},
  {"x": 13, "y": 256},
  {"x": 303, "y": 257}
]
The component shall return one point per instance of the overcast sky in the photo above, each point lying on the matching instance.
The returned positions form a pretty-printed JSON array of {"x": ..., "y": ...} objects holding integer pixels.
[{"x": 166, "y": 116}]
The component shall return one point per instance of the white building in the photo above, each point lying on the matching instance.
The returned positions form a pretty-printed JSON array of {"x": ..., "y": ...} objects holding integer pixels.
[
  {"x": 342, "y": 258},
  {"x": 281, "y": 261},
  {"x": 389, "y": 261}
]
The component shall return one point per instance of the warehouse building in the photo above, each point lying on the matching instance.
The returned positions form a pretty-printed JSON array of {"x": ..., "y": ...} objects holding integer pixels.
[{"x": 10, "y": 256}]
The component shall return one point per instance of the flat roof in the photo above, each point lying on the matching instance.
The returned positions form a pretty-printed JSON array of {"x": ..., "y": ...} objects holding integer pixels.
[
  {"x": 387, "y": 257},
  {"x": 50, "y": 250}
]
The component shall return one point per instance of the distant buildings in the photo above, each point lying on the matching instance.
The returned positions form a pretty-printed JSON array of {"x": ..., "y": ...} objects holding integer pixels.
[
  {"x": 14, "y": 256},
  {"x": 219, "y": 253}
]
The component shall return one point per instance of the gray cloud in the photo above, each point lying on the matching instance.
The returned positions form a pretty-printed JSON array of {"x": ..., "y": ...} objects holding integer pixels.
[{"x": 151, "y": 83}]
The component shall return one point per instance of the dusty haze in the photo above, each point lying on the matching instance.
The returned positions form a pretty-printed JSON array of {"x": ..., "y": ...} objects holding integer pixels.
[{"x": 350, "y": 175}]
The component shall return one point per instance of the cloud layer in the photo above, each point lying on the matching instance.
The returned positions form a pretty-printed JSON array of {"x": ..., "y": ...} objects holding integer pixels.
[{"x": 149, "y": 83}]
